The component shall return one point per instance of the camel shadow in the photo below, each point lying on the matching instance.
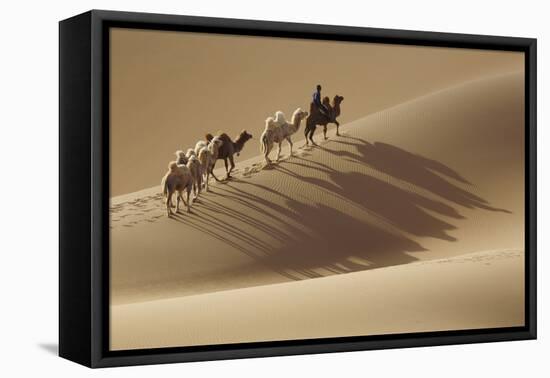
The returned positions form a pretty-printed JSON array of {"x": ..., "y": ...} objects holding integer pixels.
[
  {"x": 398, "y": 207},
  {"x": 302, "y": 238},
  {"x": 415, "y": 169},
  {"x": 331, "y": 240}
]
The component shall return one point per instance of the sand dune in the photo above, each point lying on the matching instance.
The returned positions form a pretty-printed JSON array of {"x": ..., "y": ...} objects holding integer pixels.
[
  {"x": 466, "y": 292},
  {"x": 237, "y": 81},
  {"x": 435, "y": 178}
]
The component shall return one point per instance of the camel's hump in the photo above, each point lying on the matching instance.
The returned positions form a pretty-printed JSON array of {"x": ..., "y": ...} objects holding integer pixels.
[{"x": 280, "y": 117}]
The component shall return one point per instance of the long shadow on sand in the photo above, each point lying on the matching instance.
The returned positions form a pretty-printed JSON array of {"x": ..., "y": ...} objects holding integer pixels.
[
  {"x": 332, "y": 241},
  {"x": 418, "y": 170}
]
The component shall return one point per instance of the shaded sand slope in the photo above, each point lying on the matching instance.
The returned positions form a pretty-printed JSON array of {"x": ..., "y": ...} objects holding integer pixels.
[
  {"x": 472, "y": 291},
  {"x": 432, "y": 178}
]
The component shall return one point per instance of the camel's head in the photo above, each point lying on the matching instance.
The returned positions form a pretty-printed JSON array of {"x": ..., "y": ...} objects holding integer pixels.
[
  {"x": 300, "y": 114},
  {"x": 338, "y": 99},
  {"x": 181, "y": 157},
  {"x": 243, "y": 137}
]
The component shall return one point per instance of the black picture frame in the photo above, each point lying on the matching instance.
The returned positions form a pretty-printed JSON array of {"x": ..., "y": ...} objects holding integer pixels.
[{"x": 84, "y": 187}]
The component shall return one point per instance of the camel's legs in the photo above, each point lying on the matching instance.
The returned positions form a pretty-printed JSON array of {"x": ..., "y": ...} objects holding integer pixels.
[
  {"x": 194, "y": 187},
  {"x": 213, "y": 175},
  {"x": 213, "y": 165},
  {"x": 172, "y": 206},
  {"x": 232, "y": 163},
  {"x": 325, "y": 131},
  {"x": 188, "y": 199},
  {"x": 267, "y": 151},
  {"x": 178, "y": 196},
  {"x": 199, "y": 184},
  {"x": 290, "y": 143},
  {"x": 337, "y": 128},
  {"x": 169, "y": 203},
  {"x": 226, "y": 167},
  {"x": 278, "y": 151},
  {"x": 310, "y": 137}
]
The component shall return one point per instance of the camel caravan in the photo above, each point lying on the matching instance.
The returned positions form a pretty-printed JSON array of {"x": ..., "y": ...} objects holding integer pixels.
[{"x": 191, "y": 171}]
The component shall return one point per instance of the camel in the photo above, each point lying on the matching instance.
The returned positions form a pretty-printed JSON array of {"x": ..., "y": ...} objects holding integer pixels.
[
  {"x": 177, "y": 179},
  {"x": 195, "y": 168},
  {"x": 230, "y": 148},
  {"x": 208, "y": 156},
  {"x": 278, "y": 129},
  {"x": 181, "y": 158},
  {"x": 317, "y": 118}
]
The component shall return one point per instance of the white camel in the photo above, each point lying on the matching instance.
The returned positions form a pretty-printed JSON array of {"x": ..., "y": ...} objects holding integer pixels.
[
  {"x": 278, "y": 129},
  {"x": 190, "y": 152},
  {"x": 201, "y": 144},
  {"x": 195, "y": 167},
  {"x": 181, "y": 158},
  {"x": 177, "y": 180},
  {"x": 207, "y": 156}
]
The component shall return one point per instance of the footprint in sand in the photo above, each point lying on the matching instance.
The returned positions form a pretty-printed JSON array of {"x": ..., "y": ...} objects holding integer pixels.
[{"x": 247, "y": 171}]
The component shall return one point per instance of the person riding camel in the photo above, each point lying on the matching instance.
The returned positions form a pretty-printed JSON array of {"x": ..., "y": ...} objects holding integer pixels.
[{"x": 317, "y": 101}]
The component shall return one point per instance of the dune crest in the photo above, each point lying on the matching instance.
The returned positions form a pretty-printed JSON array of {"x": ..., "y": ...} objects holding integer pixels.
[{"x": 430, "y": 181}]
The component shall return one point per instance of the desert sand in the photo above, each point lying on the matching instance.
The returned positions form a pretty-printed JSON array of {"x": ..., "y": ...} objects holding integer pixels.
[
  {"x": 412, "y": 220},
  {"x": 170, "y": 88},
  {"x": 465, "y": 292}
]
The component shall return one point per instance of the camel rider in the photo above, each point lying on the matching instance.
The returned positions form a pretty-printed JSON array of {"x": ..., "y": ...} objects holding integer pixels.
[{"x": 317, "y": 101}]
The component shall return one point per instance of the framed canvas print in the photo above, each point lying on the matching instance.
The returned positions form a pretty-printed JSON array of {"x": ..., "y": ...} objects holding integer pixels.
[{"x": 234, "y": 188}]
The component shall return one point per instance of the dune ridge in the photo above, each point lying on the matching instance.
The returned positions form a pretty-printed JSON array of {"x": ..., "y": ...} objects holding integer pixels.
[{"x": 435, "y": 181}]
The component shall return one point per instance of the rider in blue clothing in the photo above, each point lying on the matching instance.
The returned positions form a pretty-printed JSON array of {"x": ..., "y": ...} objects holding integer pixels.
[{"x": 317, "y": 101}]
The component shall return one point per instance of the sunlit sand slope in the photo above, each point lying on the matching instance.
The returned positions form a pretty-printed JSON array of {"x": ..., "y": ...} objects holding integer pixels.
[{"x": 434, "y": 178}]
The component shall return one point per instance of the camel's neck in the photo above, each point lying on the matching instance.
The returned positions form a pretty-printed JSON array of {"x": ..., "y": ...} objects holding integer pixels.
[
  {"x": 336, "y": 109},
  {"x": 296, "y": 121},
  {"x": 238, "y": 145}
]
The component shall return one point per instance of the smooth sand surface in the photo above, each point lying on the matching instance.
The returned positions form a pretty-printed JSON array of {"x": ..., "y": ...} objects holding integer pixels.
[
  {"x": 479, "y": 290},
  {"x": 438, "y": 177}
]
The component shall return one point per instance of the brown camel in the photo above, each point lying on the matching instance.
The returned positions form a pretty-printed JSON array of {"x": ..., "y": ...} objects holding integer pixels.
[
  {"x": 317, "y": 118},
  {"x": 229, "y": 148}
]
